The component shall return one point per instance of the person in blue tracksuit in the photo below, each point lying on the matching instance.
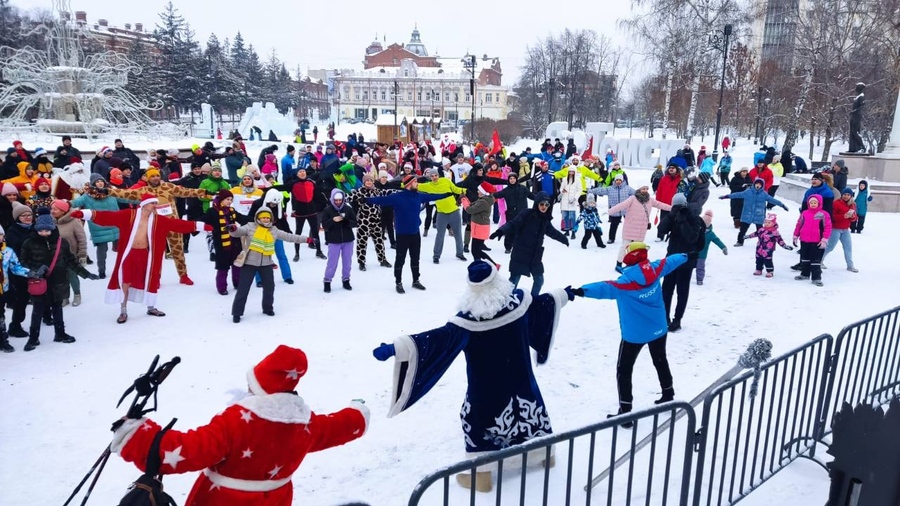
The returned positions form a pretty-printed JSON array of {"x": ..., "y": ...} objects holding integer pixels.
[
  {"x": 407, "y": 206},
  {"x": 642, "y": 317}
]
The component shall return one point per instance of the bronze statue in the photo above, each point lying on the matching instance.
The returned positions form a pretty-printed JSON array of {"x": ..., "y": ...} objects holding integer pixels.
[{"x": 856, "y": 143}]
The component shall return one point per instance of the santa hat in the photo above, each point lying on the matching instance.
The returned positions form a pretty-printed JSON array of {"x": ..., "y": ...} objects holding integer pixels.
[
  {"x": 279, "y": 372},
  {"x": 707, "y": 217},
  {"x": 481, "y": 272},
  {"x": 635, "y": 253},
  {"x": 485, "y": 188},
  {"x": 104, "y": 149},
  {"x": 148, "y": 198}
]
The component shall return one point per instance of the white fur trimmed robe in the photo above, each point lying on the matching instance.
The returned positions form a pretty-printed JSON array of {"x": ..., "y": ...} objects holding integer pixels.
[{"x": 503, "y": 404}]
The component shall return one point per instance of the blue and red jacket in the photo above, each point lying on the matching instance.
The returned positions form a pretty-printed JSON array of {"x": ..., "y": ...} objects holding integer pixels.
[{"x": 638, "y": 294}]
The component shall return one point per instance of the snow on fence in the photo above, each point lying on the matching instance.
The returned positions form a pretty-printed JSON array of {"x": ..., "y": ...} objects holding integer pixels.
[{"x": 742, "y": 440}]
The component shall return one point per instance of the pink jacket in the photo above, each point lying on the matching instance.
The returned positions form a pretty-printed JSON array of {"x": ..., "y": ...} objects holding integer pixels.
[
  {"x": 814, "y": 224},
  {"x": 637, "y": 216}
]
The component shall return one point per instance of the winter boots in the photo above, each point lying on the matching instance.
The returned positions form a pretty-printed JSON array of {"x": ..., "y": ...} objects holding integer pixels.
[
  {"x": 417, "y": 285},
  {"x": 5, "y": 347},
  {"x": 483, "y": 481},
  {"x": 668, "y": 394},
  {"x": 385, "y": 263},
  {"x": 77, "y": 300},
  {"x": 675, "y": 325},
  {"x": 16, "y": 330},
  {"x": 362, "y": 266},
  {"x": 624, "y": 407},
  {"x": 346, "y": 285},
  {"x": 327, "y": 288},
  {"x": 400, "y": 289}
]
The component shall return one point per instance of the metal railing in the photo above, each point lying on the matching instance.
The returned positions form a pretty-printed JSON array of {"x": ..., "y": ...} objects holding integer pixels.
[
  {"x": 742, "y": 441},
  {"x": 865, "y": 367},
  {"x": 746, "y": 439},
  {"x": 659, "y": 476}
]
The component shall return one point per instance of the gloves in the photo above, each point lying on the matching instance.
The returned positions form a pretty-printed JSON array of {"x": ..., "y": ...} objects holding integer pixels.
[
  {"x": 723, "y": 197},
  {"x": 795, "y": 242},
  {"x": 41, "y": 271},
  {"x": 92, "y": 276},
  {"x": 384, "y": 352},
  {"x": 33, "y": 274},
  {"x": 232, "y": 227},
  {"x": 785, "y": 208},
  {"x": 361, "y": 199},
  {"x": 823, "y": 243},
  {"x": 312, "y": 242},
  {"x": 497, "y": 234},
  {"x": 790, "y": 248},
  {"x": 78, "y": 215},
  {"x": 574, "y": 292},
  {"x": 725, "y": 251}
]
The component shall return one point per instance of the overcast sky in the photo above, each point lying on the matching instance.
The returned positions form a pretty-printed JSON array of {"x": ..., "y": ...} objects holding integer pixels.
[{"x": 335, "y": 35}]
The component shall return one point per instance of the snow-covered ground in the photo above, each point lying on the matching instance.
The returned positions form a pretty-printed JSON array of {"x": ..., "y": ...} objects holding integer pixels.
[{"x": 58, "y": 401}]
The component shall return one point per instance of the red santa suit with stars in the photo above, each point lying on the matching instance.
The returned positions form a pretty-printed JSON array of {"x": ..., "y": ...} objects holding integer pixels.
[{"x": 249, "y": 451}]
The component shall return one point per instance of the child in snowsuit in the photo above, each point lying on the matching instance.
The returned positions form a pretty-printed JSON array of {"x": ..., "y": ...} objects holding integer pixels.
[
  {"x": 862, "y": 207},
  {"x": 338, "y": 220},
  {"x": 768, "y": 237},
  {"x": 710, "y": 237},
  {"x": 591, "y": 219},
  {"x": 812, "y": 232}
]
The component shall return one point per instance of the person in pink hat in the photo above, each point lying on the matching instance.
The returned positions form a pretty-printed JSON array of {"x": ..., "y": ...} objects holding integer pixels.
[{"x": 249, "y": 451}]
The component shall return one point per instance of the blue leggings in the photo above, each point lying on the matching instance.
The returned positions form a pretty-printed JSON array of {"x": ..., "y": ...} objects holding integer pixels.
[{"x": 283, "y": 264}]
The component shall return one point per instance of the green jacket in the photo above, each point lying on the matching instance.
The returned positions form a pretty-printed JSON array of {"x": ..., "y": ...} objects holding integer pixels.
[
  {"x": 711, "y": 237},
  {"x": 213, "y": 186},
  {"x": 442, "y": 185}
]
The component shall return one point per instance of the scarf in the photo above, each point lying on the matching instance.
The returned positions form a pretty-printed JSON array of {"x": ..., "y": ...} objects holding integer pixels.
[
  {"x": 263, "y": 242},
  {"x": 226, "y": 217}
]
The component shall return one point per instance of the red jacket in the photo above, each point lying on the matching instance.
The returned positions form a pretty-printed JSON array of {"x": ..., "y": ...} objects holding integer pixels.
[
  {"x": 765, "y": 174},
  {"x": 667, "y": 188},
  {"x": 840, "y": 208},
  {"x": 248, "y": 452}
]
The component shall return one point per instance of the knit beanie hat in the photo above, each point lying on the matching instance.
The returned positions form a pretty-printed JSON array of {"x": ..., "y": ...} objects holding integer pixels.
[
  {"x": 97, "y": 177},
  {"x": 367, "y": 178},
  {"x": 707, "y": 217},
  {"x": 115, "y": 176},
  {"x": 847, "y": 191},
  {"x": 44, "y": 221},
  {"x": 224, "y": 194},
  {"x": 635, "y": 253},
  {"x": 431, "y": 172},
  {"x": 383, "y": 173},
  {"x": 8, "y": 189},
  {"x": 18, "y": 209},
  {"x": 679, "y": 200},
  {"x": 61, "y": 204}
]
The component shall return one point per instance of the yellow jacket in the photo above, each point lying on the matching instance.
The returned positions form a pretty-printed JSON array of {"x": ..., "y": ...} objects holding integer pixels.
[
  {"x": 582, "y": 171},
  {"x": 442, "y": 185}
]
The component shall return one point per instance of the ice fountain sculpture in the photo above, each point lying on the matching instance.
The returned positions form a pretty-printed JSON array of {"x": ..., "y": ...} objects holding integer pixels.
[{"x": 72, "y": 92}]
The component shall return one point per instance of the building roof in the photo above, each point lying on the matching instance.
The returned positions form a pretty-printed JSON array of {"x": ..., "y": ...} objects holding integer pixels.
[{"x": 415, "y": 45}]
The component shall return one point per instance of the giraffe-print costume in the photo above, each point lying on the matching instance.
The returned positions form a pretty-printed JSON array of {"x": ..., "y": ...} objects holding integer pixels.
[
  {"x": 166, "y": 193},
  {"x": 368, "y": 219}
]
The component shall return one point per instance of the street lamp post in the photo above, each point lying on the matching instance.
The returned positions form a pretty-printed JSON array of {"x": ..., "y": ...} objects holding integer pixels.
[
  {"x": 396, "y": 93},
  {"x": 469, "y": 63},
  {"x": 716, "y": 39}
]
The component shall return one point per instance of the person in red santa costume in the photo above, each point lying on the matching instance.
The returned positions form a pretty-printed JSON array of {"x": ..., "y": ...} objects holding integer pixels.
[
  {"x": 138, "y": 267},
  {"x": 249, "y": 451}
]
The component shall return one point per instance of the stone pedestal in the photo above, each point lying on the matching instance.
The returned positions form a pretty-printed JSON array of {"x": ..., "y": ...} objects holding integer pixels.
[
  {"x": 881, "y": 167},
  {"x": 886, "y": 196}
]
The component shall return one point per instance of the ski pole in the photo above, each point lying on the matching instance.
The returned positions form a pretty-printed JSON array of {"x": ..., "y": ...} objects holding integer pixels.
[
  {"x": 96, "y": 476},
  {"x": 103, "y": 456}
]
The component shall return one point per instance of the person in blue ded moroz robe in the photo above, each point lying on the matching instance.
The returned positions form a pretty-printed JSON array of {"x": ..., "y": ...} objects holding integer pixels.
[{"x": 495, "y": 327}]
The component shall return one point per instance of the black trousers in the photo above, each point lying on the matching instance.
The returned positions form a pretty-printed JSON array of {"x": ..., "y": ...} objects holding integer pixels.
[
  {"x": 724, "y": 177},
  {"x": 387, "y": 224},
  {"x": 614, "y": 222},
  {"x": 248, "y": 274},
  {"x": 479, "y": 251},
  {"x": 771, "y": 192},
  {"x": 679, "y": 279},
  {"x": 856, "y": 227},
  {"x": 46, "y": 304},
  {"x": 429, "y": 215},
  {"x": 743, "y": 231},
  {"x": 313, "y": 230},
  {"x": 811, "y": 260},
  {"x": 18, "y": 300},
  {"x": 662, "y": 214},
  {"x": 591, "y": 233},
  {"x": 411, "y": 244},
  {"x": 764, "y": 262},
  {"x": 628, "y": 354}
]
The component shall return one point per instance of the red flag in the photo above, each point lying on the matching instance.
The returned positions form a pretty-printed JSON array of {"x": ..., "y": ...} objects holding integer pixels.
[
  {"x": 496, "y": 145},
  {"x": 589, "y": 151}
]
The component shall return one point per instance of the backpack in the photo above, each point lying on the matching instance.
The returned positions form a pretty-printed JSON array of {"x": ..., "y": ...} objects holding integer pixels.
[
  {"x": 687, "y": 229},
  {"x": 147, "y": 490}
]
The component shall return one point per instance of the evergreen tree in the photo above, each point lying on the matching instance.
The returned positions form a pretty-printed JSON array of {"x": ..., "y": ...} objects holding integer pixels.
[
  {"x": 167, "y": 34},
  {"x": 219, "y": 84},
  {"x": 146, "y": 86},
  {"x": 10, "y": 26},
  {"x": 255, "y": 77}
]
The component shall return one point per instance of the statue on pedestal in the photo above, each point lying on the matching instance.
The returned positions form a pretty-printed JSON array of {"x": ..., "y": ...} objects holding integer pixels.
[{"x": 856, "y": 143}]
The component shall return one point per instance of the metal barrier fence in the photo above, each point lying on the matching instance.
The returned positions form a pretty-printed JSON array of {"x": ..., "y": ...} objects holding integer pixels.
[
  {"x": 865, "y": 367},
  {"x": 660, "y": 476},
  {"x": 743, "y": 439},
  {"x": 746, "y": 439}
]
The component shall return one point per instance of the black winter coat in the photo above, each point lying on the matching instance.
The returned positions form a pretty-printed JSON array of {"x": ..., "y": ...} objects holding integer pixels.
[
  {"x": 61, "y": 159},
  {"x": 738, "y": 184},
  {"x": 337, "y": 232},
  {"x": 672, "y": 225},
  {"x": 127, "y": 154},
  {"x": 529, "y": 229},
  {"x": 698, "y": 196},
  {"x": 225, "y": 254},
  {"x": 38, "y": 251},
  {"x": 10, "y": 168},
  {"x": 516, "y": 197},
  {"x": 16, "y": 235},
  {"x": 191, "y": 208}
]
